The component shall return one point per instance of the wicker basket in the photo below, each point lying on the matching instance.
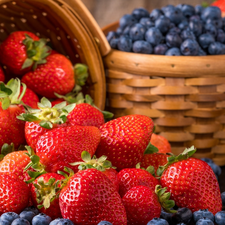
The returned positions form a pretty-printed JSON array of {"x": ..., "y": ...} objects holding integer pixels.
[
  {"x": 184, "y": 95},
  {"x": 68, "y": 33}
]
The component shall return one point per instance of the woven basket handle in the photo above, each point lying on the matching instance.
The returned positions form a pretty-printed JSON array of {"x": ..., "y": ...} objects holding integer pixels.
[{"x": 90, "y": 22}]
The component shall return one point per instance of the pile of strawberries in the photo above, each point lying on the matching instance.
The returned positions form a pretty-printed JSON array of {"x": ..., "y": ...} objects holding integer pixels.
[{"x": 74, "y": 161}]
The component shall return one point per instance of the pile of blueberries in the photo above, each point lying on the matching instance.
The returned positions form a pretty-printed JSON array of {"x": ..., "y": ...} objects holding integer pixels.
[{"x": 172, "y": 30}]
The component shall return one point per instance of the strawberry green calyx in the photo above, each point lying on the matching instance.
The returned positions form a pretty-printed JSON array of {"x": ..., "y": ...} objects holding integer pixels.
[
  {"x": 151, "y": 149},
  {"x": 36, "y": 51},
  {"x": 164, "y": 199},
  {"x": 10, "y": 93},
  {"x": 98, "y": 163},
  {"x": 47, "y": 115},
  {"x": 187, "y": 153},
  {"x": 150, "y": 169},
  {"x": 81, "y": 73},
  {"x": 6, "y": 149}
]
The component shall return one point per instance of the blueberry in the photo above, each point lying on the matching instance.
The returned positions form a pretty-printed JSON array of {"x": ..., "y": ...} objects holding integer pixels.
[
  {"x": 174, "y": 14},
  {"x": 223, "y": 198},
  {"x": 220, "y": 218},
  {"x": 205, "y": 40},
  {"x": 119, "y": 31},
  {"x": 203, "y": 213},
  {"x": 204, "y": 221},
  {"x": 137, "y": 32},
  {"x": 166, "y": 216},
  {"x": 220, "y": 37},
  {"x": 41, "y": 219},
  {"x": 183, "y": 25},
  {"x": 142, "y": 47},
  {"x": 65, "y": 222},
  {"x": 28, "y": 215},
  {"x": 187, "y": 10},
  {"x": 163, "y": 24},
  {"x": 211, "y": 29},
  {"x": 55, "y": 221},
  {"x": 187, "y": 34},
  {"x": 138, "y": 13},
  {"x": 155, "y": 14},
  {"x": 127, "y": 20},
  {"x": 196, "y": 27},
  {"x": 146, "y": 22},
  {"x": 104, "y": 223},
  {"x": 198, "y": 9},
  {"x": 113, "y": 43},
  {"x": 216, "y": 48},
  {"x": 125, "y": 44},
  {"x": 9, "y": 216},
  {"x": 217, "y": 23},
  {"x": 211, "y": 12},
  {"x": 183, "y": 215},
  {"x": 173, "y": 52},
  {"x": 216, "y": 169},
  {"x": 126, "y": 31},
  {"x": 195, "y": 17},
  {"x": 160, "y": 49},
  {"x": 189, "y": 47},
  {"x": 207, "y": 160},
  {"x": 158, "y": 221},
  {"x": 173, "y": 40},
  {"x": 167, "y": 8},
  {"x": 201, "y": 52},
  {"x": 20, "y": 221},
  {"x": 111, "y": 35},
  {"x": 174, "y": 30},
  {"x": 153, "y": 36}
]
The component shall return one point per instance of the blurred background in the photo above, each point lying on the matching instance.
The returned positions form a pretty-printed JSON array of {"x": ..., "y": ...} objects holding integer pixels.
[{"x": 108, "y": 11}]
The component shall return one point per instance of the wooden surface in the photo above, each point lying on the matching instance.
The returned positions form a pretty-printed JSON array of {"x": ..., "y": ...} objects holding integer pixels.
[{"x": 108, "y": 11}]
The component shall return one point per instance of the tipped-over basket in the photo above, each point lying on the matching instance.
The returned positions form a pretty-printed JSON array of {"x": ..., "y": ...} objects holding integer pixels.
[
  {"x": 184, "y": 95},
  {"x": 67, "y": 32}
]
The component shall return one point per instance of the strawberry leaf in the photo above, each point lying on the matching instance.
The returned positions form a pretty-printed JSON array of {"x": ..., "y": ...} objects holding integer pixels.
[
  {"x": 46, "y": 124},
  {"x": 5, "y": 103},
  {"x": 27, "y": 117},
  {"x": 151, "y": 149}
]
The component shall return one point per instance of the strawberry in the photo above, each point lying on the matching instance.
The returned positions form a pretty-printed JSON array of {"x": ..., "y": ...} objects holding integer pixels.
[
  {"x": 2, "y": 75},
  {"x": 142, "y": 204},
  {"x": 89, "y": 198},
  {"x": 30, "y": 98},
  {"x": 54, "y": 76},
  {"x": 14, "y": 194},
  {"x": 191, "y": 182},
  {"x": 12, "y": 129},
  {"x": 100, "y": 164},
  {"x": 131, "y": 177},
  {"x": 161, "y": 143},
  {"x": 42, "y": 191},
  {"x": 21, "y": 51},
  {"x": 124, "y": 140},
  {"x": 220, "y": 4}
]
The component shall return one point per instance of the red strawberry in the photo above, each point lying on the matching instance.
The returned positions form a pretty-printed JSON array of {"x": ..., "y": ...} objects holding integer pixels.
[
  {"x": 89, "y": 198},
  {"x": 142, "y": 205},
  {"x": 220, "y": 4},
  {"x": 30, "y": 98},
  {"x": 192, "y": 183},
  {"x": 161, "y": 143},
  {"x": 54, "y": 76},
  {"x": 2, "y": 75},
  {"x": 21, "y": 51},
  {"x": 14, "y": 194},
  {"x": 42, "y": 191},
  {"x": 124, "y": 140},
  {"x": 131, "y": 177},
  {"x": 12, "y": 129}
]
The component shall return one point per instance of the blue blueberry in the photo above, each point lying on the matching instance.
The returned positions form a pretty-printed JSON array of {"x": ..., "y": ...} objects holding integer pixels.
[
  {"x": 138, "y": 13},
  {"x": 167, "y": 8},
  {"x": 126, "y": 31},
  {"x": 137, "y": 32},
  {"x": 204, "y": 221},
  {"x": 201, "y": 52},
  {"x": 196, "y": 27},
  {"x": 166, "y": 216},
  {"x": 173, "y": 40},
  {"x": 211, "y": 12},
  {"x": 211, "y": 29},
  {"x": 155, "y": 14},
  {"x": 220, "y": 37},
  {"x": 183, "y": 25},
  {"x": 41, "y": 219},
  {"x": 55, "y": 221},
  {"x": 189, "y": 47},
  {"x": 142, "y": 47},
  {"x": 127, "y": 20},
  {"x": 187, "y": 34},
  {"x": 175, "y": 15},
  {"x": 173, "y": 52},
  {"x": 174, "y": 30},
  {"x": 203, "y": 213},
  {"x": 158, "y": 221},
  {"x": 187, "y": 10},
  {"x": 195, "y": 17},
  {"x": 198, "y": 9},
  {"x": 183, "y": 215},
  {"x": 28, "y": 215},
  {"x": 65, "y": 222},
  {"x": 104, "y": 223},
  {"x": 160, "y": 49},
  {"x": 220, "y": 218},
  {"x": 205, "y": 40},
  {"x": 147, "y": 22},
  {"x": 217, "y": 23},
  {"x": 208, "y": 160},
  {"x": 114, "y": 43},
  {"x": 216, "y": 169},
  {"x": 125, "y": 44},
  {"x": 163, "y": 24},
  {"x": 216, "y": 48},
  {"x": 9, "y": 216},
  {"x": 20, "y": 221},
  {"x": 223, "y": 198},
  {"x": 153, "y": 36},
  {"x": 111, "y": 35},
  {"x": 119, "y": 31}
]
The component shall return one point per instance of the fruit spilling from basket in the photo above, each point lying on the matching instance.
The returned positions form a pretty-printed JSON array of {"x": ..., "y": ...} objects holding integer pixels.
[
  {"x": 64, "y": 161},
  {"x": 172, "y": 30}
]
